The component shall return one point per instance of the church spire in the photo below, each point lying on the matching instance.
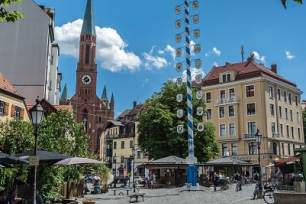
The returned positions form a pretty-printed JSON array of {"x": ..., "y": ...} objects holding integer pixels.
[
  {"x": 88, "y": 27},
  {"x": 112, "y": 102},
  {"x": 104, "y": 94},
  {"x": 64, "y": 96}
]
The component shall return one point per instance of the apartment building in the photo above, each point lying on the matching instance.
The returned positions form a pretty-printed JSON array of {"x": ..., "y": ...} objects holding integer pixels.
[
  {"x": 119, "y": 142},
  {"x": 244, "y": 97}
]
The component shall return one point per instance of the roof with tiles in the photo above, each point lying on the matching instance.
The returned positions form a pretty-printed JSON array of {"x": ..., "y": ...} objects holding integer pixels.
[
  {"x": 6, "y": 86},
  {"x": 246, "y": 70}
]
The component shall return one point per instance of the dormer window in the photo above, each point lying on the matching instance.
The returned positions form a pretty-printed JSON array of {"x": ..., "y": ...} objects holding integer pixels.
[{"x": 226, "y": 78}]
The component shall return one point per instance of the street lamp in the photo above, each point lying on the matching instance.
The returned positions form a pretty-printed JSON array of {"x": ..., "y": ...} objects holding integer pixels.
[
  {"x": 115, "y": 170},
  {"x": 37, "y": 114},
  {"x": 133, "y": 178},
  {"x": 258, "y": 137}
]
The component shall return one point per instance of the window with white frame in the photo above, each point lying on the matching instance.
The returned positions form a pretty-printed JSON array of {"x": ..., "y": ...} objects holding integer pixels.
[
  {"x": 234, "y": 149},
  {"x": 252, "y": 148},
  {"x": 224, "y": 150},
  {"x": 251, "y": 128},
  {"x": 208, "y": 114},
  {"x": 231, "y": 111},
  {"x": 231, "y": 93},
  {"x": 280, "y": 111},
  {"x": 273, "y": 127},
  {"x": 291, "y": 115},
  {"x": 281, "y": 130},
  {"x": 270, "y": 88},
  {"x": 221, "y": 112},
  {"x": 222, "y": 130},
  {"x": 272, "y": 111},
  {"x": 232, "y": 130},
  {"x": 251, "y": 110},
  {"x": 250, "y": 90}
]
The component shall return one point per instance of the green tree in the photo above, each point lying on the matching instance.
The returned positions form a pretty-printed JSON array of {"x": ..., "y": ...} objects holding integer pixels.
[
  {"x": 284, "y": 2},
  {"x": 158, "y": 122},
  {"x": 6, "y": 15},
  {"x": 304, "y": 122}
]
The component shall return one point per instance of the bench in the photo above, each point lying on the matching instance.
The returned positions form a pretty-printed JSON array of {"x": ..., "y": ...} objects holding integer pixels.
[
  {"x": 134, "y": 197},
  {"x": 121, "y": 192}
]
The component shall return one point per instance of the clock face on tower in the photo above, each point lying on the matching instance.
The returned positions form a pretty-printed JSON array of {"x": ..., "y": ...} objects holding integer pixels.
[{"x": 86, "y": 79}]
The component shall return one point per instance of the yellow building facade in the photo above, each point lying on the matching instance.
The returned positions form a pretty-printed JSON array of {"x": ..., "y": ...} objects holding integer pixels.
[
  {"x": 241, "y": 98},
  {"x": 12, "y": 104}
]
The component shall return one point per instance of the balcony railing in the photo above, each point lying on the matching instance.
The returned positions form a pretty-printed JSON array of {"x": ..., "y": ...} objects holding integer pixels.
[
  {"x": 249, "y": 136},
  {"x": 229, "y": 100},
  {"x": 275, "y": 134}
]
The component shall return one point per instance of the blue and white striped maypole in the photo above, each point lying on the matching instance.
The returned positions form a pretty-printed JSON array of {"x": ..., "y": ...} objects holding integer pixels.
[{"x": 191, "y": 160}]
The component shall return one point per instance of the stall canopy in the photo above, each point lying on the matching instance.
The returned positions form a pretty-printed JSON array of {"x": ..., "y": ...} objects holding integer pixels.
[
  {"x": 226, "y": 161},
  {"x": 44, "y": 156},
  {"x": 78, "y": 160},
  {"x": 8, "y": 160},
  {"x": 287, "y": 161}
]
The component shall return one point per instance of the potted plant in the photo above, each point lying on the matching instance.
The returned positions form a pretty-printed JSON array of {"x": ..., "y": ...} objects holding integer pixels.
[{"x": 88, "y": 201}]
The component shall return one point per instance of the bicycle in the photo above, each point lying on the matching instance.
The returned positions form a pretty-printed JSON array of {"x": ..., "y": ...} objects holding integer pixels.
[{"x": 268, "y": 194}]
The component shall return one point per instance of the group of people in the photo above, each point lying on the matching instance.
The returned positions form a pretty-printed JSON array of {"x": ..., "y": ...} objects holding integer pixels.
[{"x": 150, "y": 180}]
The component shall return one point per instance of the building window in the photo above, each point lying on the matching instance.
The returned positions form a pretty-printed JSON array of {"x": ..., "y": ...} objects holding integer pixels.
[
  {"x": 18, "y": 111},
  {"x": 131, "y": 144},
  {"x": 232, "y": 129},
  {"x": 222, "y": 96},
  {"x": 138, "y": 155},
  {"x": 231, "y": 111},
  {"x": 286, "y": 113},
  {"x": 274, "y": 147},
  {"x": 252, "y": 148},
  {"x": 221, "y": 112},
  {"x": 232, "y": 93},
  {"x": 87, "y": 54},
  {"x": 296, "y": 100},
  {"x": 291, "y": 115},
  {"x": 122, "y": 159},
  {"x": 251, "y": 128},
  {"x": 122, "y": 144},
  {"x": 292, "y": 132},
  {"x": 299, "y": 133},
  {"x": 287, "y": 128},
  {"x": 289, "y": 98},
  {"x": 115, "y": 145},
  {"x": 251, "y": 110},
  {"x": 226, "y": 78},
  {"x": 208, "y": 114},
  {"x": 273, "y": 128},
  {"x": 283, "y": 149},
  {"x": 272, "y": 109},
  {"x": 250, "y": 90},
  {"x": 280, "y": 111},
  {"x": 2, "y": 108},
  {"x": 234, "y": 149},
  {"x": 281, "y": 130},
  {"x": 208, "y": 97},
  {"x": 279, "y": 94},
  {"x": 289, "y": 149},
  {"x": 298, "y": 117},
  {"x": 222, "y": 130},
  {"x": 285, "y": 96},
  {"x": 270, "y": 91},
  {"x": 224, "y": 150}
]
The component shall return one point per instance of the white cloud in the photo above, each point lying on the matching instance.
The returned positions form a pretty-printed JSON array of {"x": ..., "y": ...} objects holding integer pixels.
[
  {"x": 194, "y": 73},
  {"x": 169, "y": 49},
  {"x": 216, "y": 51},
  {"x": 289, "y": 55},
  {"x": 259, "y": 57},
  {"x": 215, "y": 64},
  {"x": 111, "y": 49},
  {"x": 154, "y": 61}
]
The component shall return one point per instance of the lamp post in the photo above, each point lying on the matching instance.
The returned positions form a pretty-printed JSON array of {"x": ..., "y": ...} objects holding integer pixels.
[
  {"x": 115, "y": 170},
  {"x": 37, "y": 114},
  {"x": 258, "y": 137},
  {"x": 133, "y": 178}
]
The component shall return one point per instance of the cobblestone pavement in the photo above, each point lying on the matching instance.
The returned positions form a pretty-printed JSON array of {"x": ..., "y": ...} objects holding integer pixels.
[{"x": 175, "y": 196}]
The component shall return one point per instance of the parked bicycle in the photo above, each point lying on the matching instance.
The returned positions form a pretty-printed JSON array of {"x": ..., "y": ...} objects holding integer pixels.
[{"x": 268, "y": 194}]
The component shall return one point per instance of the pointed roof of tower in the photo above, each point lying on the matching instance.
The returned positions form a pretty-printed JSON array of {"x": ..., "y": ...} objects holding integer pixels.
[
  {"x": 104, "y": 94},
  {"x": 112, "y": 99},
  {"x": 64, "y": 96},
  {"x": 89, "y": 20}
]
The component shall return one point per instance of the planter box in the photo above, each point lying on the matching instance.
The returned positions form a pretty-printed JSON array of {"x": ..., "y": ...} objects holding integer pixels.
[
  {"x": 89, "y": 202},
  {"x": 289, "y": 197}
]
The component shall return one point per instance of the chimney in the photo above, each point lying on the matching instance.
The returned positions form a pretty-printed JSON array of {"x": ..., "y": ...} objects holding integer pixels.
[
  {"x": 274, "y": 68},
  {"x": 134, "y": 104}
]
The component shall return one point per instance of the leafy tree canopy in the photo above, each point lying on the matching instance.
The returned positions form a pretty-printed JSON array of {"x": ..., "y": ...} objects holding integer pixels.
[
  {"x": 284, "y": 2},
  {"x": 158, "y": 122},
  {"x": 6, "y": 15}
]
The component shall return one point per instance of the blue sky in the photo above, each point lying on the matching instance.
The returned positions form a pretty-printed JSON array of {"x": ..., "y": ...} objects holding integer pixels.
[{"x": 133, "y": 27}]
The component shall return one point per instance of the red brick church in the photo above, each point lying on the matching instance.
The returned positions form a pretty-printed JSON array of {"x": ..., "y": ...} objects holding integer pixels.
[{"x": 88, "y": 108}]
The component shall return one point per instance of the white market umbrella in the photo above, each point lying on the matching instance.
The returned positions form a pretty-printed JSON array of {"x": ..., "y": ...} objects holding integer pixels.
[{"x": 77, "y": 160}]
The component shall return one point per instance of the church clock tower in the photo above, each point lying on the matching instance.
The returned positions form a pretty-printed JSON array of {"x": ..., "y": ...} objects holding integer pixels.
[{"x": 89, "y": 109}]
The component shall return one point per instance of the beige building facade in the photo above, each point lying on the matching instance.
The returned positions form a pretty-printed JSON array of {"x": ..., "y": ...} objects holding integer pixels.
[
  {"x": 244, "y": 97},
  {"x": 119, "y": 143},
  {"x": 12, "y": 104}
]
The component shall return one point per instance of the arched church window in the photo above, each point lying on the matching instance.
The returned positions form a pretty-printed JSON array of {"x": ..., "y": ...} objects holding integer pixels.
[
  {"x": 87, "y": 54},
  {"x": 85, "y": 119}
]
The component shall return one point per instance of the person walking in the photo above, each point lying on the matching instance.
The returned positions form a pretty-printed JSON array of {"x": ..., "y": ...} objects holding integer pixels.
[{"x": 238, "y": 180}]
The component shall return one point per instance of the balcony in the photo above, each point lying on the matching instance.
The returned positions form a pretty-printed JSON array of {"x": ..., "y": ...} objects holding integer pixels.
[
  {"x": 225, "y": 101},
  {"x": 249, "y": 136},
  {"x": 274, "y": 135}
]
